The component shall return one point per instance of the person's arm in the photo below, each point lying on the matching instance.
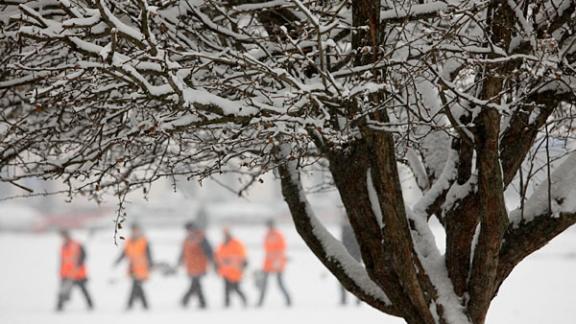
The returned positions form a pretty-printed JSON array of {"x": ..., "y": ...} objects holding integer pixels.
[
  {"x": 245, "y": 256},
  {"x": 180, "y": 257},
  {"x": 82, "y": 256},
  {"x": 282, "y": 241},
  {"x": 60, "y": 259},
  {"x": 216, "y": 259},
  {"x": 207, "y": 249},
  {"x": 120, "y": 258},
  {"x": 149, "y": 255}
]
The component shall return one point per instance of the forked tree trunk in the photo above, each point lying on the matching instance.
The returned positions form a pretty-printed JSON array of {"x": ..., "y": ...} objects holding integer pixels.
[
  {"x": 387, "y": 264},
  {"x": 414, "y": 299}
]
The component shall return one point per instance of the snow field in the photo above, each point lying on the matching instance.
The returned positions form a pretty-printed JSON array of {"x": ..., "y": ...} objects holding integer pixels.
[{"x": 540, "y": 290}]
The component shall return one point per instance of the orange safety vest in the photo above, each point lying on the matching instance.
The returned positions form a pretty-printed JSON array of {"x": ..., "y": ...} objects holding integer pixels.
[
  {"x": 195, "y": 260},
  {"x": 275, "y": 248},
  {"x": 231, "y": 260},
  {"x": 69, "y": 262},
  {"x": 136, "y": 252}
]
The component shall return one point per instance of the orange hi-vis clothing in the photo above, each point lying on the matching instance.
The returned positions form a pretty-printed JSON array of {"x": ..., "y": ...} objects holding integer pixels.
[
  {"x": 275, "y": 248},
  {"x": 136, "y": 250},
  {"x": 194, "y": 255},
  {"x": 231, "y": 260},
  {"x": 71, "y": 261}
]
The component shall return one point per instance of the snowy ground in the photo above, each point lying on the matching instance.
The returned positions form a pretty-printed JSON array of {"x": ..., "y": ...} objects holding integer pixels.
[{"x": 541, "y": 290}]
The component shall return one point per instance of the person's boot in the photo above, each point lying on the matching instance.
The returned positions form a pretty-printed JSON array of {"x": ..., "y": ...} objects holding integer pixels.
[
  {"x": 129, "y": 305},
  {"x": 201, "y": 301},
  {"x": 227, "y": 301},
  {"x": 244, "y": 302},
  {"x": 59, "y": 306},
  {"x": 89, "y": 304},
  {"x": 184, "y": 302}
]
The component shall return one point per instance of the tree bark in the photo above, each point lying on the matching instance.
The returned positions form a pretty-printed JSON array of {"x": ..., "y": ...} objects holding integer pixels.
[
  {"x": 349, "y": 168},
  {"x": 304, "y": 222}
]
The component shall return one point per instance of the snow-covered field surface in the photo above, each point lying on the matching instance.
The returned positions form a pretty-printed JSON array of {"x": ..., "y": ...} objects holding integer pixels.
[{"x": 541, "y": 290}]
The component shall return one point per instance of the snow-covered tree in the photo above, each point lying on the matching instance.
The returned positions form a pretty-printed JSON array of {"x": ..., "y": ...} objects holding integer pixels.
[{"x": 476, "y": 98}]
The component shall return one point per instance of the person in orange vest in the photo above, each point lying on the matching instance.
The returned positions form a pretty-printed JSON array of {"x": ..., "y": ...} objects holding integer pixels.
[
  {"x": 231, "y": 262},
  {"x": 274, "y": 261},
  {"x": 72, "y": 270},
  {"x": 137, "y": 251},
  {"x": 196, "y": 255}
]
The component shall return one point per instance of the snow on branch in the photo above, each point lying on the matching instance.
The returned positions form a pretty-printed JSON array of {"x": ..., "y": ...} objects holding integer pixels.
[
  {"x": 329, "y": 249},
  {"x": 413, "y": 11},
  {"x": 434, "y": 264},
  {"x": 561, "y": 195}
]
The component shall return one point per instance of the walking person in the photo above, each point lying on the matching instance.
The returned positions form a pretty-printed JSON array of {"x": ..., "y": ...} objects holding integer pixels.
[
  {"x": 137, "y": 251},
  {"x": 274, "y": 262},
  {"x": 351, "y": 244},
  {"x": 231, "y": 262},
  {"x": 195, "y": 256},
  {"x": 72, "y": 271}
]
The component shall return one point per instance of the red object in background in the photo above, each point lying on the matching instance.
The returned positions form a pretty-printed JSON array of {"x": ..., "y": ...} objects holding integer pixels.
[{"x": 74, "y": 220}]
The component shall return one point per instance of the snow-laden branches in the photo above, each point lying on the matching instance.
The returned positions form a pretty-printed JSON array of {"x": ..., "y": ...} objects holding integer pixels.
[
  {"x": 328, "y": 249},
  {"x": 471, "y": 96},
  {"x": 561, "y": 194}
]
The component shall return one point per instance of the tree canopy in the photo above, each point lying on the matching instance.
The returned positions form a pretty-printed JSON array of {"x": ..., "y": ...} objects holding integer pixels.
[{"x": 475, "y": 98}]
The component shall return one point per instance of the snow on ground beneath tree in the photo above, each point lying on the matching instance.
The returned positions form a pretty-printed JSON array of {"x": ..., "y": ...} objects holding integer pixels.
[{"x": 540, "y": 290}]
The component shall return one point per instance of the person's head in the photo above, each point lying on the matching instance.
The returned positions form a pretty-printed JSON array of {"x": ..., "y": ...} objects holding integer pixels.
[
  {"x": 227, "y": 234},
  {"x": 65, "y": 234},
  {"x": 270, "y": 224},
  {"x": 190, "y": 227},
  {"x": 136, "y": 230}
]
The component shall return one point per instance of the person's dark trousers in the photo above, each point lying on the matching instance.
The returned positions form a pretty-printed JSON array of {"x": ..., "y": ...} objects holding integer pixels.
[
  {"x": 84, "y": 290},
  {"x": 344, "y": 295},
  {"x": 66, "y": 286},
  {"x": 280, "y": 279},
  {"x": 195, "y": 289},
  {"x": 137, "y": 292},
  {"x": 230, "y": 287}
]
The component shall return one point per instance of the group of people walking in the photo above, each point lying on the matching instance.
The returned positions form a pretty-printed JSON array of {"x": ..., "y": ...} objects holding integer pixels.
[{"x": 197, "y": 254}]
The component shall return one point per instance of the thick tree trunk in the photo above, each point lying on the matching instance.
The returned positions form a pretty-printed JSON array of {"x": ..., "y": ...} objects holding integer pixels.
[{"x": 350, "y": 168}]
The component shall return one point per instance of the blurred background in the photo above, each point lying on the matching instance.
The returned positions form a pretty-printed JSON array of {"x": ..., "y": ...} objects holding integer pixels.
[{"x": 540, "y": 290}]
